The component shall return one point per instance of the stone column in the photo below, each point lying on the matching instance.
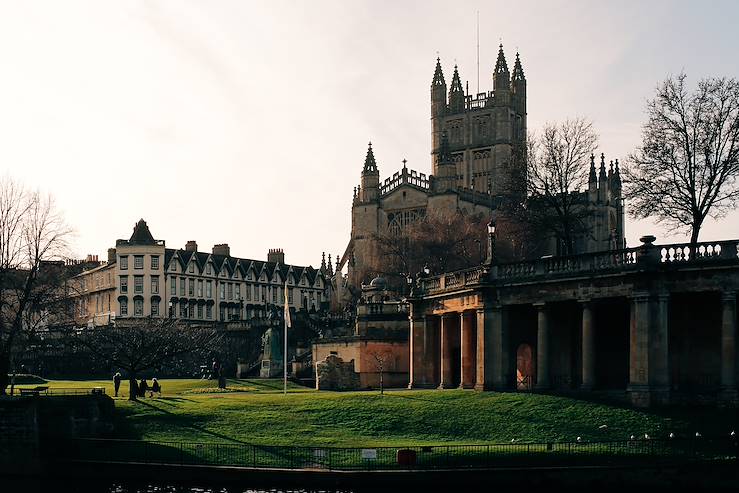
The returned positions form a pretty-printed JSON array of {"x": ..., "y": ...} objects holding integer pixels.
[
  {"x": 467, "y": 350},
  {"x": 728, "y": 346},
  {"x": 484, "y": 370},
  {"x": 431, "y": 347},
  {"x": 447, "y": 326},
  {"x": 588, "y": 346},
  {"x": 542, "y": 347},
  {"x": 417, "y": 343},
  {"x": 659, "y": 355},
  {"x": 638, "y": 387}
]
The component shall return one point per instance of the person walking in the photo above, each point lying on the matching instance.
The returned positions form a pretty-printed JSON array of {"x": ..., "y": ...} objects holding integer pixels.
[
  {"x": 155, "y": 388},
  {"x": 117, "y": 382},
  {"x": 143, "y": 387}
]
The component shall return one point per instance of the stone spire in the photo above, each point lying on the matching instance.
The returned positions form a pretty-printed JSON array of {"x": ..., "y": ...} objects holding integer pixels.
[
  {"x": 500, "y": 64},
  {"x": 592, "y": 181},
  {"x": 456, "y": 93},
  {"x": 602, "y": 181},
  {"x": 370, "y": 166},
  {"x": 518, "y": 70},
  {"x": 615, "y": 181},
  {"x": 438, "y": 74},
  {"x": 323, "y": 262},
  {"x": 329, "y": 267},
  {"x": 501, "y": 76}
]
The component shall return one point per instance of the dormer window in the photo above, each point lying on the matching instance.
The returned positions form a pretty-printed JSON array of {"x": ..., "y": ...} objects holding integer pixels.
[{"x": 192, "y": 268}]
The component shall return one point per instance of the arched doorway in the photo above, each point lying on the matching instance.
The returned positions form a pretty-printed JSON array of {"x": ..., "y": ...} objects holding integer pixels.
[{"x": 524, "y": 367}]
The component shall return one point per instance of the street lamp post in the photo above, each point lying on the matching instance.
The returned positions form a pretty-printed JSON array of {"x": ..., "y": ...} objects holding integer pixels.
[{"x": 491, "y": 242}]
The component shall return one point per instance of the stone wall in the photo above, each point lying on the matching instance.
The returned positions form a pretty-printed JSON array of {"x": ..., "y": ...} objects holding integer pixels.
[{"x": 333, "y": 373}]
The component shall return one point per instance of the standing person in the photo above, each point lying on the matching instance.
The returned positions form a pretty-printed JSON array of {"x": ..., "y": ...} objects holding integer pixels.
[
  {"x": 143, "y": 387},
  {"x": 155, "y": 387},
  {"x": 117, "y": 382}
]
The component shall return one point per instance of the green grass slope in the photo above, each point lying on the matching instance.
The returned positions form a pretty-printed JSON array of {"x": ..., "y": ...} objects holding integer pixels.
[{"x": 256, "y": 412}]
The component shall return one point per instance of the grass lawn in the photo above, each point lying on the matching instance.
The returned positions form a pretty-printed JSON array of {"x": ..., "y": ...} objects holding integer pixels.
[{"x": 256, "y": 412}]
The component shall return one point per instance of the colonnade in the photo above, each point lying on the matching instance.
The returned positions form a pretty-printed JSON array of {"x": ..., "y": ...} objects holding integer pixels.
[{"x": 470, "y": 348}]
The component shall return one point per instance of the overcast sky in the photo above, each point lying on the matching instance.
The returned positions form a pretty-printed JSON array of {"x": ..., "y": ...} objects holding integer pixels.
[{"x": 247, "y": 122}]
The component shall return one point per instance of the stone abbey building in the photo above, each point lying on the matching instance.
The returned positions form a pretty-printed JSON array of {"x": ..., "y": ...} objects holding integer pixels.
[{"x": 477, "y": 149}]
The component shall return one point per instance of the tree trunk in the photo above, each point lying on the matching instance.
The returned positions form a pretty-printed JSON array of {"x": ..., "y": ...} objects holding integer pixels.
[
  {"x": 133, "y": 388},
  {"x": 695, "y": 231},
  {"x": 4, "y": 368}
]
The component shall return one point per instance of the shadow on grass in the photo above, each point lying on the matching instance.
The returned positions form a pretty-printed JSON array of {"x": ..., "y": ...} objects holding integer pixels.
[
  {"x": 189, "y": 422},
  {"x": 706, "y": 419}
]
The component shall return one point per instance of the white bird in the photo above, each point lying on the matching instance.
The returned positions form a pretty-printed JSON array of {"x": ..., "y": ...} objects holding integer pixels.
[
  {"x": 513, "y": 440},
  {"x": 697, "y": 434},
  {"x": 672, "y": 435},
  {"x": 632, "y": 437},
  {"x": 732, "y": 434},
  {"x": 646, "y": 436},
  {"x": 602, "y": 427},
  {"x": 579, "y": 439}
]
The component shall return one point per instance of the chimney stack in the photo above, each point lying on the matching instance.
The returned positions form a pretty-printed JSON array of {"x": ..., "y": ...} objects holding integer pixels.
[
  {"x": 276, "y": 255},
  {"x": 222, "y": 249},
  {"x": 111, "y": 255},
  {"x": 191, "y": 246}
]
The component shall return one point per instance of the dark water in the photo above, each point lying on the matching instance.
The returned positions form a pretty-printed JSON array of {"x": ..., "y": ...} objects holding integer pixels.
[{"x": 25, "y": 485}]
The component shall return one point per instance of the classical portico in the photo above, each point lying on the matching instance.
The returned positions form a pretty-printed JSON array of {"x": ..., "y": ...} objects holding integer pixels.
[{"x": 654, "y": 324}]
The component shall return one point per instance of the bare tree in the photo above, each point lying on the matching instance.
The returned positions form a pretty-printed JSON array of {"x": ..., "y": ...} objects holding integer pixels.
[
  {"x": 33, "y": 244},
  {"x": 144, "y": 344},
  {"x": 557, "y": 166},
  {"x": 382, "y": 361},
  {"x": 687, "y": 166},
  {"x": 441, "y": 241}
]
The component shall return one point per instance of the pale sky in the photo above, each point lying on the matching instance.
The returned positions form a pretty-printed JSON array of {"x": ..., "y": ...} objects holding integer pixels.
[{"x": 247, "y": 122}]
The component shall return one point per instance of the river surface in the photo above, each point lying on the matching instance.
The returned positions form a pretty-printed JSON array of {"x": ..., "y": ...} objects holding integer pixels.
[{"x": 13, "y": 485}]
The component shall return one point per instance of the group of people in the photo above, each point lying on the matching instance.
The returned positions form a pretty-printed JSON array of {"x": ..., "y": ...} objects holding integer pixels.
[{"x": 142, "y": 387}]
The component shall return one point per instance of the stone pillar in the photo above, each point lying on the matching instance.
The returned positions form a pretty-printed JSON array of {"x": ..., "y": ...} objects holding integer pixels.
[
  {"x": 542, "y": 347},
  {"x": 419, "y": 374},
  {"x": 467, "y": 350},
  {"x": 659, "y": 355},
  {"x": 447, "y": 326},
  {"x": 728, "y": 347},
  {"x": 484, "y": 370},
  {"x": 638, "y": 387},
  {"x": 588, "y": 346}
]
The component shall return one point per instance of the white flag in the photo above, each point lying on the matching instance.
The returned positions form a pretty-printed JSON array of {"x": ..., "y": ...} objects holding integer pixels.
[{"x": 288, "y": 323}]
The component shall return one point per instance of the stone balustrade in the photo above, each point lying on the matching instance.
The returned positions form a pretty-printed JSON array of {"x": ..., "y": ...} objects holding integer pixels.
[{"x": 646, "y": 255}]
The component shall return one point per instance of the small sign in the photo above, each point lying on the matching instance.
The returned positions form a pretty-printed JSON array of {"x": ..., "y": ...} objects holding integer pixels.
[
  {"x": 369, "y": 453},
  {"x": 319, "y": 452}
]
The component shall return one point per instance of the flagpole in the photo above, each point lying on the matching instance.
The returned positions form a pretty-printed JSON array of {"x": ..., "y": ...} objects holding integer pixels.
[{"x": 285, "y": 314}]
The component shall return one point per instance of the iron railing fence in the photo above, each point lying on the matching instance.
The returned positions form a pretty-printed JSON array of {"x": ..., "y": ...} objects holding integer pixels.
[
  {"x": 18, "y": 391},
  {"x": 600, "y": 453}
]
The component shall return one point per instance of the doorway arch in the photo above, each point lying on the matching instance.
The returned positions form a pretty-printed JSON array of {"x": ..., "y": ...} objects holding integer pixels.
[{"x": 525, "y": 367}]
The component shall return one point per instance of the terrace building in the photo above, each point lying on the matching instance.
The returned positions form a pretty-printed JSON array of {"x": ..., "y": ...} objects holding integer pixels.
[{"x": 143, "y": 278}]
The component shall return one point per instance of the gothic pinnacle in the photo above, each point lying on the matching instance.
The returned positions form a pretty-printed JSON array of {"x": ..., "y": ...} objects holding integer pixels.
[
  {"x": 456, "y": 82},
  {"x": 500, "y": 65},
  {"x": 438, "y": 74},
  {"x": 370, "y": 166},
  {"x": 518, "y": 69}
]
